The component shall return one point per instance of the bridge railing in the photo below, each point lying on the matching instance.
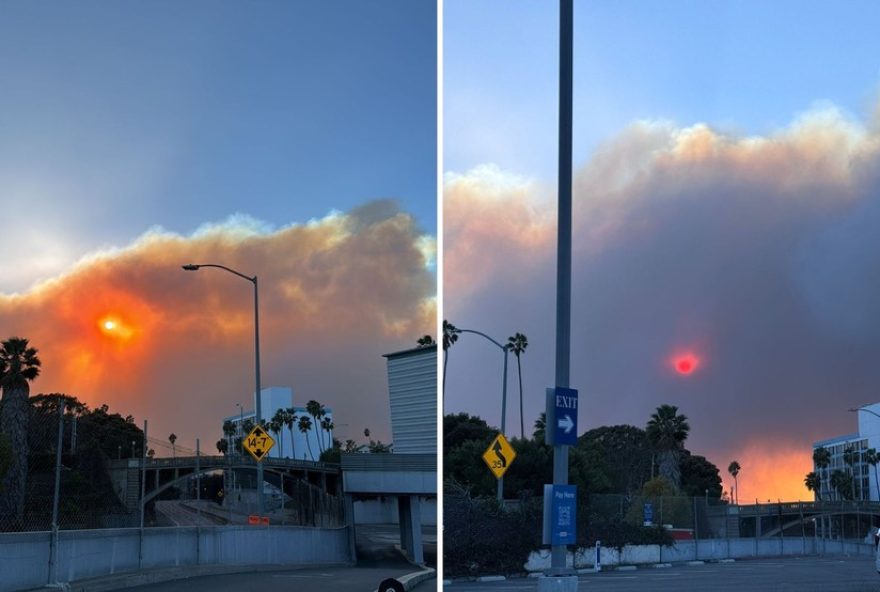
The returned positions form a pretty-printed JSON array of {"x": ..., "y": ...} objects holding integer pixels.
[{"x": 237, "y": 460}]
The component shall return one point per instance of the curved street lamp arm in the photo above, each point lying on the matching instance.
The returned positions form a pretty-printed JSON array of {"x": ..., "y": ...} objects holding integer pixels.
[
  {"x": 503, "y": 347},
  {"x": 865, "y": 410},
  {"x": 195, "y": 267}
]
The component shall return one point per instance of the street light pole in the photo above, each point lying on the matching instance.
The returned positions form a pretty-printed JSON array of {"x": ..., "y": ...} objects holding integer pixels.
[
  {"x": 258, "y": 405},
  {"x": 563, "y": 264},
  {"x": 506, "y": 350}
]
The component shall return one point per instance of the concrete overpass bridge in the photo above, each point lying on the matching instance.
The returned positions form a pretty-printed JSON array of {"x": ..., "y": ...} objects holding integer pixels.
[
  {"x": 162, "y": 474},
  {"x": 829, "y": 519}
]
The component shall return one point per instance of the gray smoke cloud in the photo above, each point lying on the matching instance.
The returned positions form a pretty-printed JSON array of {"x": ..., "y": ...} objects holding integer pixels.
[{"x": 757, "y": 254}]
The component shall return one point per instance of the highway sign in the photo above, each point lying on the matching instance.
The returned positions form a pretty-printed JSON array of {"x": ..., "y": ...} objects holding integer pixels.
[
  {"x": 499, "y": 455},
  {"x": 649, "y": 513},
  {"x": 560, "y": 514},
  {"x": 258, "y": 443},
  {"x": 562, "y": 416}
]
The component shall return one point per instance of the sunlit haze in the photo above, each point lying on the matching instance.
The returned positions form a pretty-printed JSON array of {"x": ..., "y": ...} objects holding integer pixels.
[{"x": 294, "y": 141}]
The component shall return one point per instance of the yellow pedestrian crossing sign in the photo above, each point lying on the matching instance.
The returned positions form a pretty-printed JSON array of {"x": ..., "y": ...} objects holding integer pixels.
[
  {"x": 499, "y": 456},
  {"x": 258, "y": 443}
]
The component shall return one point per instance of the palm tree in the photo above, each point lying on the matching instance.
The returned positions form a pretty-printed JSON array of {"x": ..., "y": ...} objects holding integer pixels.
[
  {"x": 450, "y": 336},
  {"x": 327, "y": 426},
  {"x": 316, "y": 410},
  {"x": 518, "y": 344},
  {"x": 540, "y": 428},
  {"x": 849, "y": 457},
  {"x": 223, "y": 446},
  {"x": 822, "y": 458},
  {"x": 426, "y": 341},
  {"x": 872, "y": 458},
  {"x": 228, "y": 430},
  {"x": 19, "y": 365},
  {"x": 812, "y": 481},
  {"x": 733, "y": 468},
  {"x": 305, "y": 426},
  {"x": 667, "y": 431},
  {"x": 173, "y": 438},
  {"x": 840, "y": 481},
  {"x": 290, "y": 420},
  {"x": 279, "y": 420}
]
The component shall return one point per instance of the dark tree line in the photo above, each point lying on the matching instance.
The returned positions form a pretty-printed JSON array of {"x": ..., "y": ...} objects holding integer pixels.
[{"x": 619, "y": 459}]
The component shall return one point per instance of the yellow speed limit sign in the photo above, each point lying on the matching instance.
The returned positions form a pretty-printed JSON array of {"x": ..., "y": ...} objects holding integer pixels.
[{"x": 499, "y": 455}]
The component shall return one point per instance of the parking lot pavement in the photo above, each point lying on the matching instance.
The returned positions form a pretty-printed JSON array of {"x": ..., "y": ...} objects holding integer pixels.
[{"x": 795, "y": 574}]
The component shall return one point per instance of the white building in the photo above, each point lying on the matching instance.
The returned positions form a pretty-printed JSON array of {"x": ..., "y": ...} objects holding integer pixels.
[
  {"x": 867, "y": 436},
  {"x": 412, "y": 393},
  {"x": 304, "y": 445}
]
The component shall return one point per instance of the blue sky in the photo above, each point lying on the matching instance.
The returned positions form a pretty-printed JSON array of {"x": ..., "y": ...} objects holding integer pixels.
[
  {"x": 745, "y": 67},
  {"x": 118, "y": 116}
]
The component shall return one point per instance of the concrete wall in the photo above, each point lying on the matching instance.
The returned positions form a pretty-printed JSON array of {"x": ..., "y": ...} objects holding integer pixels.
[
  {"x": 24, "y": 557},
  {"x": 374, "y": 511},
  {"x": 702, "y": 550}
]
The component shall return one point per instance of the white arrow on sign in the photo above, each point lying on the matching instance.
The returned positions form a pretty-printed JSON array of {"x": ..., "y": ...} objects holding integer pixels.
[{"x": 566, "y": 423}]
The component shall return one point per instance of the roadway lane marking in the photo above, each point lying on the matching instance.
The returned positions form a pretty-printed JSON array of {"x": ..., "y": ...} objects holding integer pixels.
[{"x": 323, "y": 575}]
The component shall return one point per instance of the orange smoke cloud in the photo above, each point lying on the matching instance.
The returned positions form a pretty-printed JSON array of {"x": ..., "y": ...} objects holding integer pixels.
[
  {"x": 757, "y": 252},
  {"x": 130, "y": 328},
  {"x": 770, "y": 471}
]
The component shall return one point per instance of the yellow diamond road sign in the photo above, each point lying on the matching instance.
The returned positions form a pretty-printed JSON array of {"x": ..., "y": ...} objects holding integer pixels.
[
  {"x": 499, "y": 456},
  {"x": 258, "y": 443}
]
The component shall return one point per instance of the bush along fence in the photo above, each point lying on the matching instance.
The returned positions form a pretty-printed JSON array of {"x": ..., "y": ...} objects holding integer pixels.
[{"x": 482, "y": 537}]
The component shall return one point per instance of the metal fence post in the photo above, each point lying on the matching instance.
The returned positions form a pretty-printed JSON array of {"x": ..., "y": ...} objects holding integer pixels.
[
  {"x": 757, "y": 525},
  {"x": 198, "y": 503},
  {"x": 781, "y": 525},
  {"x": 53, "y": 537},
  {"x": 696, "y": 532},
  {"x": 803, "y": 527},
  {"x": 143, "y": 493}
]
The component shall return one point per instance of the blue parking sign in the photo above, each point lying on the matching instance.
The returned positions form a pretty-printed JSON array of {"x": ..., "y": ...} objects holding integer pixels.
[{"x": 560, "y": 501}]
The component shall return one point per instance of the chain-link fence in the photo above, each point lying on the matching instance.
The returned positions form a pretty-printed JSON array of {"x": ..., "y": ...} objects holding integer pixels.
[
  {"x": 65, "y": 465},
  {"x": 674, "y": 528}
]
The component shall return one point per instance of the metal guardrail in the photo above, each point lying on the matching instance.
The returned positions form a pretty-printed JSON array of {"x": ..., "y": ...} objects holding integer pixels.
[
  {"x": 222, "y": 461},
  {"x": 823, "y": 507}
]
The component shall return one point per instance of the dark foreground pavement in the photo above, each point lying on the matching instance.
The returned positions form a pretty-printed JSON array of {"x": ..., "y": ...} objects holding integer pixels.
[
  {"x": 795, "y": 574},
  {"x": 341, "y": 579},
  {"x": 377, "y": 560}
]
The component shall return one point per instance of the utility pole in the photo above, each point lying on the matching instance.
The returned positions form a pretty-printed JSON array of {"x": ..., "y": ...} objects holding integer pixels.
[{"x": 561, "y": 578}]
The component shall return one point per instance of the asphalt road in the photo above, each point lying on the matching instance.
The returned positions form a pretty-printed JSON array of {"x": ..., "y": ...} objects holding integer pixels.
[
  {"x": 377, "y": 560},
  {"x": 349, "y": 579},
  {"x": 796, "y": 574}
]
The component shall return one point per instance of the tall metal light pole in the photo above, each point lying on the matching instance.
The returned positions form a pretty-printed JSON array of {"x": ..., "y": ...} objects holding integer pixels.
[
  {"x": 240, "y": 421},
  {"x": 506, "y": 349},
  {"x": 257, "y": 406},
  {"x": 563, "y": 261}
]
